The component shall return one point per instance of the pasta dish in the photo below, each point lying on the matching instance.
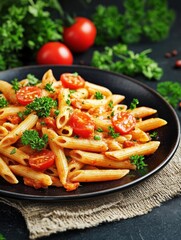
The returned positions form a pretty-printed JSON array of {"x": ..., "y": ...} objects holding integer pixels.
[{"x": 63, "y": 132}]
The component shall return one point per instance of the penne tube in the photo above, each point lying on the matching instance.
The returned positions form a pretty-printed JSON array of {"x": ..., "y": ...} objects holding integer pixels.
[
  {"x": 65, "y": 131},
  {"x": 75, "y": 165},
  {"x": 17, "y": 132},
  {"x": 8, "y": 91},
  {"x": 43, "y": 179},
  {"x": 92, "y": 88},
  {"x": 141, "y": 112},
  {"x": 116, "y": 98},
  {"x": 126, "y": 153},
  {"x": 97, "y": 175},
  {"x": 80, "y": 93},
  {"x": 11, "y": 110},
  {"x": 48, "y": 77},
  {"x": 15, "y": 154},
  {"x": 139, "y": 135},
  {"x": 151, "y": 123},
  {"x": 81, "y": 143},
  {"x": 88, "y": 103},
  {"x": 60, "y": 160},
  {"x": 6, "y": 173},
  {"x": 3, "y": 132},
  {"x": 99, "y": 160}
]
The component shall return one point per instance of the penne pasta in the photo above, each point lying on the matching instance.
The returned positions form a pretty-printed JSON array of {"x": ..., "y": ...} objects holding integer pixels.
[
  {"x": 72, "y": 132},
  {"x": 126, "y": 153},
  {"x": 82, "y": 144},
  {"x": 97, "y": 175}
]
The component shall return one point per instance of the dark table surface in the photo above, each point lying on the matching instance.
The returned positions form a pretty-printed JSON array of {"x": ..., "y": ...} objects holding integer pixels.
[{"x": 161, "y": 223}]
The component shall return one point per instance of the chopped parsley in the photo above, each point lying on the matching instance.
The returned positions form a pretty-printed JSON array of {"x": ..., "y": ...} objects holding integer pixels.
[
  {"x": 98, "y": 95},
  {"x": 32, "y": 80},
  {"x": 134, "y": 103},
  {"x": 112, "y": 133},
  {"x": 49, "y": 87},
  {"x": 99, "y": 129},
  {"x": 154, "y": 135},
  {"x": 42, "y": 106},
  {"x": 15, "y": 84},
  {"x": 138, "y": 161},
  {"x": 110, "y": 104},
  {"x": 13, "y": 151},
  {"x": 3, "y": 102},
  {"x": 32, "y": 138}
]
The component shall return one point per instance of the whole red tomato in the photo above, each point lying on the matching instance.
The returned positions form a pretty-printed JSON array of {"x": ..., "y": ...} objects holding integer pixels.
[
  {"x": 54, "y": 53},
  {"x": 81, "y": 35}
]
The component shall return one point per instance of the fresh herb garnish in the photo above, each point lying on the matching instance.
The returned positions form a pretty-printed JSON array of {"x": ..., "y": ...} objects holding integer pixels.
[
  {"x": 154, "y": 135},
  {"x": 15, "y": 84},
  {"x": 13, "y": 151},
  {"x": 119, "y": 58},
  {"x": 32, "y": 138},
  {"x": 49, "y": 87},
  {"x": 138, "y": 161},
  {"x": 110, "y": 104},
  {"x": 151, "y": 19},
  {"x": 32, "y": 80},
  {"x": 171, "y": 91},
  {"x": 134, "y": 103},
  {"x": 3, "y": 102},
  {"x": 41, "y": 106},
  {"x": 99, "y": 129},
  {"x": 98, "y": 95},
  {"x": 112, "y": 133}
]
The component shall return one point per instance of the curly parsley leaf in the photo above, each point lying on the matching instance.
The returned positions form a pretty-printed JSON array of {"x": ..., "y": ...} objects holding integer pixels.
[
  {"x": 139, "y": 19},
  {"x": 171, "y": 91},
  {"x": 119, "y": 58},
  {"x": 112, "y": 133},
  {"x": 42, "y": 106},
  {"x": 3, "y": 102},
  {"x": 138, "y": 161},
  {"x": 134, "y": 103},
  {"x": 32, "y": 138}
]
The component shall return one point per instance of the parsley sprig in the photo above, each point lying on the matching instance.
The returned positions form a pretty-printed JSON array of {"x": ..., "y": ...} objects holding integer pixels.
[
  {"x": 112, "y": 133},
  {"x": 32, "y": 138},
  {"x": 3, "y": 102},
  {"x": 151, "y": 19},
  {"x": 42, "y": 107},
  {"x": 138, "y": 161},
  {"x": 119, "y": 58}
]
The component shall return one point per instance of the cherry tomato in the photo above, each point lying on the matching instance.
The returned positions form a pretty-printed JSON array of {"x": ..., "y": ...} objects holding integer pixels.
[
  {"x": 42, "y": 160},
  {"x": 26, "y": 95},
  {"x": 82, "y": 124},
  {"x": 123, "y": 122},
  {"x": 54, "y": 53},
  {"x": 81, "y": 35},
  {"x": 72, "y": 80}
]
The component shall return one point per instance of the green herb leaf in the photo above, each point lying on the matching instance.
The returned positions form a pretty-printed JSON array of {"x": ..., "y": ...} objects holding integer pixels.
[
  {"x": 98, "y": 95},
  {"x": 3, "y": 102},
  {"x": 134, "y": 103},
  {"x": 138, "y": 161},
  {"x": 31, "y": 137},
  {"x": 112, "y": 133}
]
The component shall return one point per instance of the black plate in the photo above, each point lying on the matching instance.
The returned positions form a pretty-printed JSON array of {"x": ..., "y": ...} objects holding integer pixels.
[{"x": 168, "y": 135}]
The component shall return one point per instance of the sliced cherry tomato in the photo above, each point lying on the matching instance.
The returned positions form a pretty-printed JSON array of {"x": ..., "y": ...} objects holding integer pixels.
[
  {"x": 54, "y": 53},
  {"x": 82, "y": 124},
  {"x": 42, "y": 160},
  {"x": 14, "y": 119},
  {"x": 72, "y": 80},
  {"x": 123, "y": 122},
  {"x": 81, "y": 35},
  {"x": 26, "y": 95}
]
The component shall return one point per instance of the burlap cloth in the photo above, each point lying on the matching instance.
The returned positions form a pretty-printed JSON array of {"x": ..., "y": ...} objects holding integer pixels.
[{"x": 43, "y": 219}]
